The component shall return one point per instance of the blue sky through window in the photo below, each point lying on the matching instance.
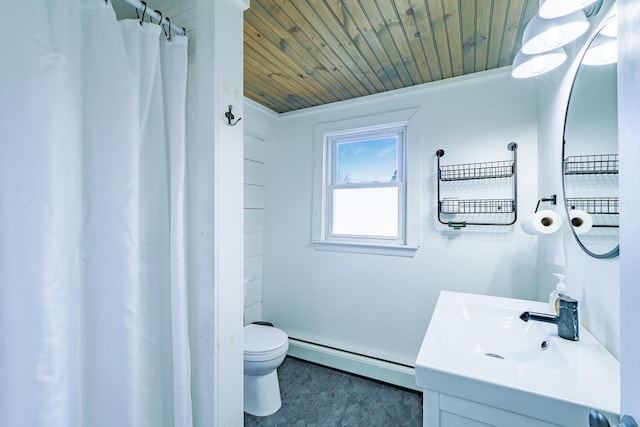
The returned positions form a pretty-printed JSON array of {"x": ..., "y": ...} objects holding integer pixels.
[{"x": 373, "y": 160}]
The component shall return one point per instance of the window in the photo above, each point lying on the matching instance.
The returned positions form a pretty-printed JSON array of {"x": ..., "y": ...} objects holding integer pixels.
[
  {"x": 365, "y": 191},
  {"x": 363, "y": 198}
]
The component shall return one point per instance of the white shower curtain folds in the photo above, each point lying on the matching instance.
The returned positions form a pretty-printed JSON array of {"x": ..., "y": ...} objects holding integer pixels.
[{"x": 93, "y": 297}]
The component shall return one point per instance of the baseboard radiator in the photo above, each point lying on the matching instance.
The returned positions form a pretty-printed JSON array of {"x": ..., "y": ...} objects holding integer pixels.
[{"x": 370, "y": 367}]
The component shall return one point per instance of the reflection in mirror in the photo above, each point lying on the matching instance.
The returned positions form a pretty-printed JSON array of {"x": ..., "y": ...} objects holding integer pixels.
[{"x": 590, "y": 154}]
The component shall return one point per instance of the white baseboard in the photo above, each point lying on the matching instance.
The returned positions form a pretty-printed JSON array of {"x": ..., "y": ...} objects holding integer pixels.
[{"x": 381, "y": 370}]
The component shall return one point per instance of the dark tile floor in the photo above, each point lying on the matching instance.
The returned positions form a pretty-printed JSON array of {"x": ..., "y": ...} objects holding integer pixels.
[{"x": 314, "y": 395}]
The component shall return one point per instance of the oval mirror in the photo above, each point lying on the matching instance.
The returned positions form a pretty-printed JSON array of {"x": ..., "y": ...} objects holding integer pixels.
[{"x": 590, "y": 151}]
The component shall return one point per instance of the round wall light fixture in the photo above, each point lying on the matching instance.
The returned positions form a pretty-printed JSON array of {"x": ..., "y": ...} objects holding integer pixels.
[
  {"x": 550, "y": 9},
  {"x": 542, "y": 35},
  {"x": 525, "y": 66}
]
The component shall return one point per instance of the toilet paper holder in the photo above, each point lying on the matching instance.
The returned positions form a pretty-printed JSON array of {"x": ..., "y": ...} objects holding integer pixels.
[{"x": 553, "y": 199}]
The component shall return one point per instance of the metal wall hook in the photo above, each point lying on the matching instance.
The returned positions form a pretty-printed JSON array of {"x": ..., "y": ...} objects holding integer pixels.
[{"x": 229, "y": 115}]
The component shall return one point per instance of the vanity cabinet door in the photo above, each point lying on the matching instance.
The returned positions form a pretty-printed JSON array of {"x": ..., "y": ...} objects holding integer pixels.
[
  {"x": 447, "y": 419},
  {"x": 457, "y": 412}
]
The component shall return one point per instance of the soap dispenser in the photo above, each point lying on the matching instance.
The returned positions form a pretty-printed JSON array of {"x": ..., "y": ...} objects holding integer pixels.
[{"x": 561, "y": 288}]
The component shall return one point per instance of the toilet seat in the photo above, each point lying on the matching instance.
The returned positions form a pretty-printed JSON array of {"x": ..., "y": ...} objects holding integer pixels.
[{"x": 264, "y": 342}]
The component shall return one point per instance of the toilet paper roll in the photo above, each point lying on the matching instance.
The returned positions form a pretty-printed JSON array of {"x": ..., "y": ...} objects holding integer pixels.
[
  {"x": 581, "y": 221},
  {"x": 542, "y": 222}
]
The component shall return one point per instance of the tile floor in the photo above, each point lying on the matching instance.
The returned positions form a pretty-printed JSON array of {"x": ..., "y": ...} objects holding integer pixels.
[{"x": 314, "y": 395}]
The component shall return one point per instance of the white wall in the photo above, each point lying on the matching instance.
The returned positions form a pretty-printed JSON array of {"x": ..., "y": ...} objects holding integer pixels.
[
  {"x": 381, "y": 305},
  {"x": 594, "y": 282},
  {"x": 215, "y": 212},
  {"x": 259, "y": 132},
  {"x": 629, "y": 129}
]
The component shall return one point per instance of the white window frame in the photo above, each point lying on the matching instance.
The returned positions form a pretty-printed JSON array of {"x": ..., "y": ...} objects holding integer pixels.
[
  {"x": 327, "y": 136},
  {"x": 331, "y": 142}
]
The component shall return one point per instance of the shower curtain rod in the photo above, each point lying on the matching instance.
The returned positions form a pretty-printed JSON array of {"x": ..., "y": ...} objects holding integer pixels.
[{"x": 142, "y": 7}]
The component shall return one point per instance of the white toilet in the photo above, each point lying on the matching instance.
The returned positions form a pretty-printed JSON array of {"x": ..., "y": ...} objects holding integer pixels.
[{"x": 264, "y": 350}]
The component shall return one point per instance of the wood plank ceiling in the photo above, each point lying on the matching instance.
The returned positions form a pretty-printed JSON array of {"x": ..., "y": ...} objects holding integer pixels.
[{"x": 302, "y": 53}]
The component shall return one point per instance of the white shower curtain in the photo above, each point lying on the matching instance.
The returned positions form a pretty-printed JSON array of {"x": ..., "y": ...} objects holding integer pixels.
[{"x": 93, "y": 303}]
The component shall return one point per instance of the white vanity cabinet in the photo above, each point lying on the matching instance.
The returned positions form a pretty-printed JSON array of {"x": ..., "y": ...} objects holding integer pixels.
[{"x": 481, "y": 365}]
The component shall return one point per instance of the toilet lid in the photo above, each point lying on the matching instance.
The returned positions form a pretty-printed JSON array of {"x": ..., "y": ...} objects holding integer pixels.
[{"x": 260, "y": 338}]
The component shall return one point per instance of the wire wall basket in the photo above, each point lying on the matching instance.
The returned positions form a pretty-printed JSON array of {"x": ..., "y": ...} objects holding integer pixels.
[
  {"x": 595, "y": 205},
  {"x": 591, "y": 164},
  {"x": 503, "y": 169},
  {"x": 486, "y": 170},
  {"x": 479, "y": 206}
]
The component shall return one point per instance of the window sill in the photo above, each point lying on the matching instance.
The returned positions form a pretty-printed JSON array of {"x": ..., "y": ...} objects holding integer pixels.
[{"x": 366, "y": 248}]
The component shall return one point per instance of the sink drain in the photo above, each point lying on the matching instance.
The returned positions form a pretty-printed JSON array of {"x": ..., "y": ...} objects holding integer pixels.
[
  {"x": 543, "y": 346},
  {"x": 497, "y": 356}
]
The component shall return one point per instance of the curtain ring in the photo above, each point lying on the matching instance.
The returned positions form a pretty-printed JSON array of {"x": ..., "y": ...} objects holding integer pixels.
[
  {"x": 169, "y": 24},
  {"x": 161, "y": 19},
  {"x": 143, "y": 12}
]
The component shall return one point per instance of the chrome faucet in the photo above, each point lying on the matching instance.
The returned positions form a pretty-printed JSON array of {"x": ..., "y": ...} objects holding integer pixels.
[{"x": 567, "y": 318}]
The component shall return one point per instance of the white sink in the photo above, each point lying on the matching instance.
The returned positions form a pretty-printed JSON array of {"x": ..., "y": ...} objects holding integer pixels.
[
  {"x": 477, "y": 348},
  {"x": 496, "y": 331}
]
